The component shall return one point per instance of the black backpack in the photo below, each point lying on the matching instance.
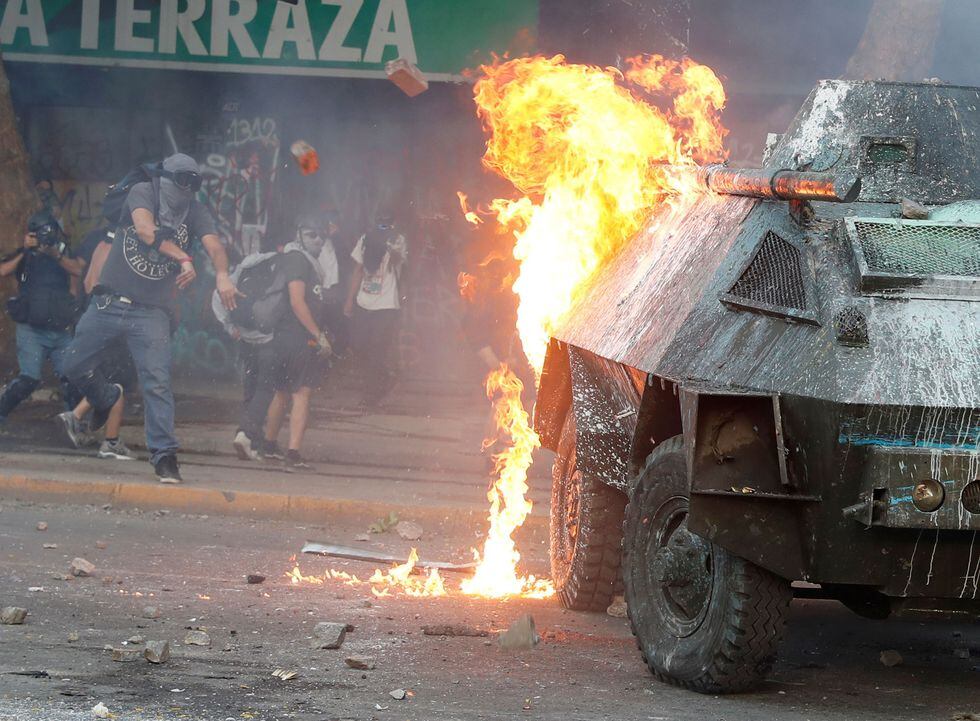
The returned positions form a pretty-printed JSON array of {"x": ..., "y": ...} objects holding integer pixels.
[
  {"x": 114, "y": 203},
  {"x": 266, "y": 299}
]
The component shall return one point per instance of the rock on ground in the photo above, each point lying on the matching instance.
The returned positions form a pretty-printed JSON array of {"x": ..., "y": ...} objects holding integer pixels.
[
  {"x": 151, "y": 612},
  {"x": 891, "y": 658},
  {"x": 521, "y": 634},
  {"x": 329, "y": 635},
  {"x": 157, "y": 651},
  {"x": 81, "y": 567},
  {"x": 913, "y": 210},
  {"x": 617, "y": 609},
  {"x": 197, "y": 638},
  {"x": 361, "y": 663},
  {"x": 13, "y": 616}
]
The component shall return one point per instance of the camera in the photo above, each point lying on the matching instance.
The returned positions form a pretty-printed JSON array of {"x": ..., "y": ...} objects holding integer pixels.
[{"x": 49, "y": 235}]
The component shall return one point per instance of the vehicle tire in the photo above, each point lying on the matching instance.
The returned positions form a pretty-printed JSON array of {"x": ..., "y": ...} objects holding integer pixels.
[
  {"x": 586, "y": 531},
  {"x": 704, "y": 619}
]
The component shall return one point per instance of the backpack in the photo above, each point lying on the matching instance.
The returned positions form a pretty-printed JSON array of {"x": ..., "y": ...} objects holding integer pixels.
[
  {"x": 114, "y": 203},
  {"x": 266, "y": 299}
]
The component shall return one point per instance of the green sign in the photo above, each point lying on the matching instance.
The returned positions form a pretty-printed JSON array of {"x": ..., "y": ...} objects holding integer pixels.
[{"x": 349, "y": 38}]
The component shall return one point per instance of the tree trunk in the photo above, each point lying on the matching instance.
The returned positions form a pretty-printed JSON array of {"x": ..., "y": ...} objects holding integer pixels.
[
  {"x": 899, "y": 41},
  {"x": 17, "y": 201}
]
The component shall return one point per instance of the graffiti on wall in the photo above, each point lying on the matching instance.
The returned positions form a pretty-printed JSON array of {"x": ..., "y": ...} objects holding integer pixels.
[{"x": 240, "y": 166}]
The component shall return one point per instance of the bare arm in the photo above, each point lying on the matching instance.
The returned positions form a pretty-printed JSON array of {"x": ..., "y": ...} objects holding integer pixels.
[
  {"x": 226, "y": 289},
  {"x": 146, "y": 229},
  {"x": 355, "y": 283},
  {"x": 95, "y": 267},
  {"x": 9, "y": 267},
  {"x": 297, "y": 301}
]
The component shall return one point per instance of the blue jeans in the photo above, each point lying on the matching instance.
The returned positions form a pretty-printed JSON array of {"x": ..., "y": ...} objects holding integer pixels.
[
  {"x": 34, "y": 347},
  {"x": 146, "y": 332}
]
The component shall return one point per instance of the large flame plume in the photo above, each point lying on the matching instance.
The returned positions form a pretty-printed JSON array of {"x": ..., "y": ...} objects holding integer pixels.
[{"x": 592, "y": 160}]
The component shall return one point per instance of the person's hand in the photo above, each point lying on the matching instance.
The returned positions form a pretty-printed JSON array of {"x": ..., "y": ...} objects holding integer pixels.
[
  {"x": 187, "y": 273},
  {"x": 323, "y": 347},
  {"x": 30, "y": 241},
  {"x": 227, "y": 291},
  {"x": 236, "y": 334},
  {"x": 51, "y": 251},
  {"x": 349, "y": 309}
]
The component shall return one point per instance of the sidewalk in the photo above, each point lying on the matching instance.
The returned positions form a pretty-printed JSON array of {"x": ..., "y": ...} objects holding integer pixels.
[{"x": 418, "y": 456}]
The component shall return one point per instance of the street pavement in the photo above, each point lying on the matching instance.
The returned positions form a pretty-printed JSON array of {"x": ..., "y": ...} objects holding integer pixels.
[
  {"x": 188, "y": 550},
  {"x": 193, "y": 569}
]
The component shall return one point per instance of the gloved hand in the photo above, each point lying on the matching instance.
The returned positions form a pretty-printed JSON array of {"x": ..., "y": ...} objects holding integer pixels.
[{"x": 323, "y": 346}]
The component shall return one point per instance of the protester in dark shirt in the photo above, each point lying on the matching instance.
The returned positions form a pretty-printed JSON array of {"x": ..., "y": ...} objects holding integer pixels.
[
  {"x": 302, "y": 346},
  {"x": 136, "y": 299},
  {"x": 43, "y": 309}
]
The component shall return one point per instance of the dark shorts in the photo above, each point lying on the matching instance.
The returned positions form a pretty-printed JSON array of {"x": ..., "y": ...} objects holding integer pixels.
[{"x": 298, "y": 366}]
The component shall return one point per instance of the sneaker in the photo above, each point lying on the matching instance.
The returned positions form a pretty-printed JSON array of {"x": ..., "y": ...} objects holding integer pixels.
[
  {"x": 294, "y": 463},
  {"x": 115, "y": 449},
  {"x": 100, "y": 417},
  {"x": 72, "y": 428},
  {"x": 272, "y": 452},
  {"x": 167, "y": 470},
  {"x": 243, "y": 447}
]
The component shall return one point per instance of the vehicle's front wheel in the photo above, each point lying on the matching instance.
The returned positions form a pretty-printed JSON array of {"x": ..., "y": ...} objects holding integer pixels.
[
  {"x": 703, "y": 618},
  {"x": 586, "y": 531}
]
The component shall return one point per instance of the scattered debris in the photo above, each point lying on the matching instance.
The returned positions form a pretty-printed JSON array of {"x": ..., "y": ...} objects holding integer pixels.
[
  {"x": 101, "y": 711},
  {"x": 746, "y": 490},
  {"x": 35, "y": 589},
  {"x": 520, "y": 635},
  {"x": 406, "y": 76},
  {"x": 151, "y": 612},
  {"x": 398, "y": 694},
  {"x": 13, "y": 616},
  {"x": 962, "y": 716},
  {"x": 49, "y": 545},
  {"x": 197, "y": 638},
  {"x": 125, "y": 654},
  {"x": 408, "y": 530},
  {"x": 81, "y": 567},
  {"x": 73, "y": 636},
  {"x": 157, "y": 651},
  {"x": 284, "y": 675},
  {"x": 135, "y": 640},
  {"x": 364, "y": 537},
  {"x": 101, "y": 545},
  {"x": 361, "y": 663},
  {"x": 42, "y": 526},
  {"x": 367, "y": 603},
  {"x": 891, "y": 658},
  {"x": 913, "y": 210},
  {"x": 384, "y": 523},
  {"x": 617, "y": 609},
  {"x": 357, "y": 554},
  {"x": 961, "y": 652},
  {"x": 453, "y": 629},
  {"x": 254, "y": 578},
  {"x": 329, "y": 635}
]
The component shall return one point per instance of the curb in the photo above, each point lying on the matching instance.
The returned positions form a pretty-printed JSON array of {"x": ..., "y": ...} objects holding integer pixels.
[{"x": 248, "y": 504}]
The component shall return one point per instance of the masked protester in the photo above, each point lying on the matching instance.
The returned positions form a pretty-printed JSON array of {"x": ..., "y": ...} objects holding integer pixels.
[
  {"x": 43, "y": 309},
  {"x": 135, "y": 300},
  {"x": 302, "y": 346},
  {"x": 373, "y": 302}
]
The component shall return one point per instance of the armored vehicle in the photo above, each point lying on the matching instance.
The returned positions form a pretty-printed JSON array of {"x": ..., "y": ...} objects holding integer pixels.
[{"x": 775, "y": 389}]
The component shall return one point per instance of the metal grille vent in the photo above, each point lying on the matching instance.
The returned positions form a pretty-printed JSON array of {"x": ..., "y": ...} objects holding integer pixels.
[
  {"x": 918, "y": 248},
  {"x": 774, "y": 277}
]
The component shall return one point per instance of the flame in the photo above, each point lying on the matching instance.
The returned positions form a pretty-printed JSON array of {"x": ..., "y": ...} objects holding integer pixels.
[
  {"x": 496, "y": 575},
  {"x": 398, "y": 579},
  {"x": 470, "y": 216},
  {"x": 592, "y": 159}
]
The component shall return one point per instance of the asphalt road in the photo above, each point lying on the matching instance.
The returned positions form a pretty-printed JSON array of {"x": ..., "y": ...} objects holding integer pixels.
[{"x": 586, "y": 666}]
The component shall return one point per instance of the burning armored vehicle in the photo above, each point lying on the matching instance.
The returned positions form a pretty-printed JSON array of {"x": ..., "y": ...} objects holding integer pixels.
[{"x": 781, "y": 383}]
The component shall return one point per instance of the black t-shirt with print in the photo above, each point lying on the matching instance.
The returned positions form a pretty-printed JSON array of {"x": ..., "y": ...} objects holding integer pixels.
[
  {"x": 135, "y": 270},
  {"x": 296, "y": 266}
]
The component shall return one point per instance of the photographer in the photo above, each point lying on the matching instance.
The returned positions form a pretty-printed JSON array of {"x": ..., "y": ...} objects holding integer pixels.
[{"x": 43, "y": 309}]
